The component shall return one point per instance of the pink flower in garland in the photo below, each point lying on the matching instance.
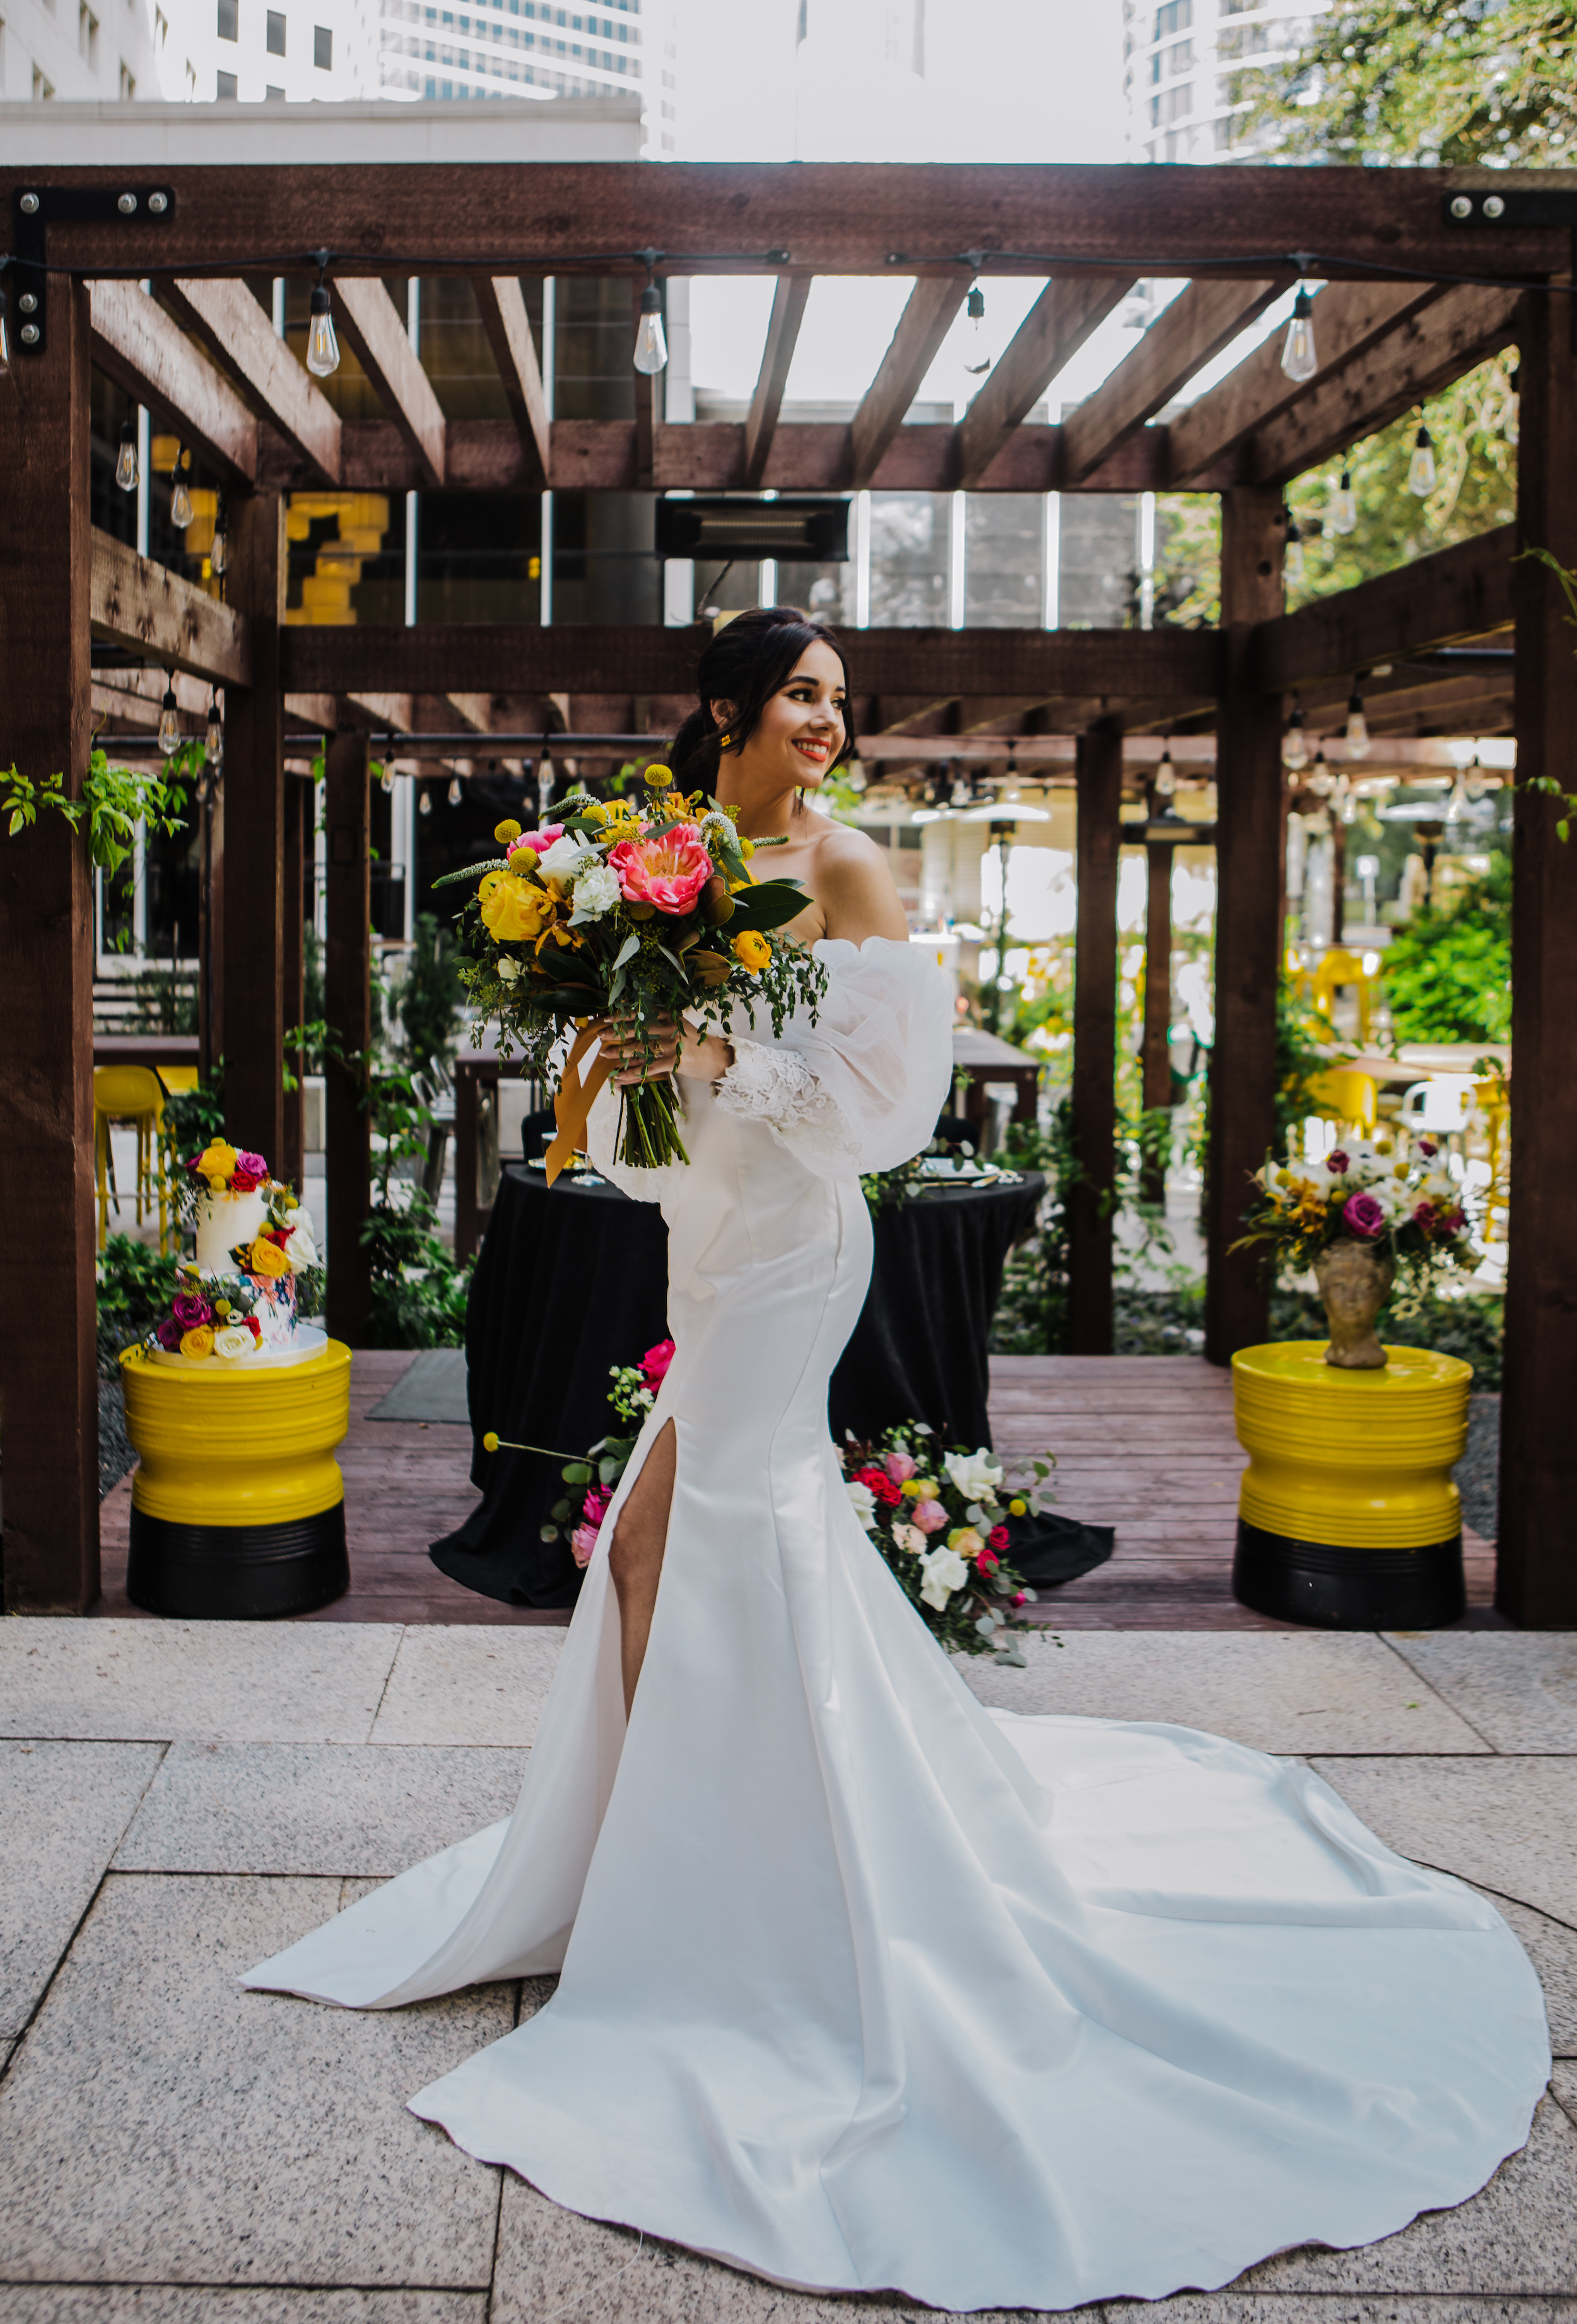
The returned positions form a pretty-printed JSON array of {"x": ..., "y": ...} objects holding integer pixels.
[
  {"x": 900, "y": 1467},
  {"x": 998, "y": 1537},
  {"x": 986, "y": 1562},
  {"x": 930, "y": 1515},
  {"x": 190, "y": 1310},
  {"x": 668, "y": 873},
  {"x": 1362, "y": 1216},
  {"x": 583, "y": 1541},
  {"x": 880, "y": 1485},
  {"x": 1337, "y": 1162},
  {"x": 655, "y": 1362}
]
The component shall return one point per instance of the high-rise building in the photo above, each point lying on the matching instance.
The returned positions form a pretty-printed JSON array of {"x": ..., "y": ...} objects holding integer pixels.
[
  {"x": 301, "y": 51},
  {"x": 525, "y": 48},
  {"x": 1179, "y": 57},
  {"x": 83, "y": 50}
]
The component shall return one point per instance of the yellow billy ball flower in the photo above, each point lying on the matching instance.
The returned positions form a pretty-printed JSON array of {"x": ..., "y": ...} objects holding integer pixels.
[
  {"x": 747, "y": 848},
  {"x": 1018, "y": 1508},
  {"x": 657, "y": 779},
  {"x": 597, "y": 815},
  {"x": 505, "y": 831},
  {"x": 912, "y": 1486},
  {"x": 753, "y": 951},
  {"x": 490, "y": 1442}
]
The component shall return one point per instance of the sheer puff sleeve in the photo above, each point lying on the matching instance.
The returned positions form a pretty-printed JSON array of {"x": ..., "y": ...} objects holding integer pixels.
[{"x": 862, "y": 1087}]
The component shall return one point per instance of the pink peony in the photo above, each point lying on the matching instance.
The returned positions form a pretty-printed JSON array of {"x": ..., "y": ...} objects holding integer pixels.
[
  {"x": 655, "y": 1362},
  {"x": 190, "y": 1310},
  {"x": 668, "y": 873},
  {"x": 581, "y": 1542},
  {"x": 254, "y": 1164},
  {"x": 929, "y": 1515},
  {"x": 900, "y": 1468},
  {"x": 169, "y": 1335},
  {"x": 1362, "y": 1216},
  {"x": 1337, "y": 1162}
]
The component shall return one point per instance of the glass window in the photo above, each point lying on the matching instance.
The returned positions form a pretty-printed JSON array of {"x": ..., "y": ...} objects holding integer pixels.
[
  {"x": 229, "y": 30},
  {"x": 323, "y": 48},
  {"x": 227, "y": 83},
  {"x": 276, "y": 32}
]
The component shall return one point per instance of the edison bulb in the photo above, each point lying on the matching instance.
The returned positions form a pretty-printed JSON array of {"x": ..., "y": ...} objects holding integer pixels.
[
  {"x": 219, "y": 555},
  {"x": 179, "y": 504},
  {"x": 1293, "y": 562},
  {"x": 1299, "y": 357},
  {"x": 1295, "y": 751},
  {"x": 388, "y": 781},
  {"x": 650, "y": 340},
  {"x": 1166, "y": 777},
  {"x": 424, "y": 800},
  {"x": 214, "y": 741},
  {"x": 126, "y": 473},
  {"x": 169, "y": 725},
  {"x": 455, "y": 793},
  {"x": 1356, "y": 734},
  {"x": 322, "y": 346},
  {"x": 1421, "y": 468},
  {"x": 1344, "y": 505}
]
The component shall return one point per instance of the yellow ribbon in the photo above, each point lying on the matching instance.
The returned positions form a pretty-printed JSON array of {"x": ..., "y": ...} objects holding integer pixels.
[{"x": 573, "y": 1098}]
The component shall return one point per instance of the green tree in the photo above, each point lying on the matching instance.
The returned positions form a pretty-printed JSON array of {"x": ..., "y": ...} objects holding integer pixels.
[
  {"x": 1431, "y": 82},
  {"x": 1448, "y": 972}
]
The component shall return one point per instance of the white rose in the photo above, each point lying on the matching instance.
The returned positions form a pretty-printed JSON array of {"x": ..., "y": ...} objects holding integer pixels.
[
  {"x": 944, "y": 1571},
  {"x": 596, "y": 892},
  {"x": 977, "y": 1475},
  {"x": 910, "y": 1537},
  {"x": 864, "y": 1501},
  {"x": 508, "y": 970},
  {"x": 301, "y": 1251},
  {"x": 232, "y": 1341},
  {"x": 563, "y": 859}
]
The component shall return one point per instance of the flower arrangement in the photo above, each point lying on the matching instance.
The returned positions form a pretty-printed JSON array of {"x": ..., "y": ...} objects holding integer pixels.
[
  {"x": 940, "y": 1520},
  {"x": 210, "y": 1316},
  {"x": 285, "y": 1245},
  {"x": 643, "y": 910},
  {"x": 1400, "y": 1201}
]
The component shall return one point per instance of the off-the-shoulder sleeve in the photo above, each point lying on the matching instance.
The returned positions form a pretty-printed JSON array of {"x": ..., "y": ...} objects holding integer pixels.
[
  {"x": 602, "y": 1138},
  {"x": 862, "y": 1088}
]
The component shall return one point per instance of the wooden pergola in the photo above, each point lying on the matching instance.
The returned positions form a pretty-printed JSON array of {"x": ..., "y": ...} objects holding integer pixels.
[{"x": 1427, "y": 273}]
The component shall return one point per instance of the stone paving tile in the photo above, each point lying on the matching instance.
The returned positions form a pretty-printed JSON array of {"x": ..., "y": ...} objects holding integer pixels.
[
  {"x": 1518, "y": 2233},
  {"x": 1564, "y": 2084},
  {"x": 314, "y": 1808},
  {"x": 1509, "y": 1825},
  {"x": 467, "y": 1685},
  {"x": 1277, "y": 1691},
  {"x": 164, "y": 2126},
  {"x": 1336, "y": 2308},
  {"x": 200, "y": 1681},
  {"x": 164, "y": 2303},
  {"x": 62, "y": 1807},
  {"x": 1517, "y": 1687},
  {"x": 1552, "y": 1950}
]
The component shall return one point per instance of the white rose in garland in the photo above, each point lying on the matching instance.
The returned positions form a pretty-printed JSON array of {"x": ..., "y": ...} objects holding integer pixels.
[
  {"x": 864, "y": 1501},
  {"x": 232, "y": 1342},
  {"x": 977, "y": 1475},
  {"x": 944, "y": 1571},
  {"x": 596, "y": 890},
  {"x": 564, "y": 858}
]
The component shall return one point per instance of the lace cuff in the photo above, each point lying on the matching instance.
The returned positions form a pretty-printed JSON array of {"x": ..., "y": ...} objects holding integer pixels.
[{"x": 777, "y": 1087}]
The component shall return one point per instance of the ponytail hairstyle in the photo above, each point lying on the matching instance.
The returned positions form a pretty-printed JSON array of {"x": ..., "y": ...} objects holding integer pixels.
[{"x": 745, "y": 664}]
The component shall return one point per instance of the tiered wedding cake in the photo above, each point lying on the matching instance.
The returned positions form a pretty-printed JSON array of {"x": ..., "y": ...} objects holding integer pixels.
[{"x": 236, "y": 1299}]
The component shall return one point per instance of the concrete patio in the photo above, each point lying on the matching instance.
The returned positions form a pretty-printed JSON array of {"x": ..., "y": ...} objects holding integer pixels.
[{"x": 178, "y": 1799}]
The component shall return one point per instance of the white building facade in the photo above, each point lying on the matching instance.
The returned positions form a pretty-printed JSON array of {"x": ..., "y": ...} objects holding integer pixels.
[
  {"x": 1178, "y": 61},
  {"x": 434, "y": 49},
  {"x": 90, "y": 50}
]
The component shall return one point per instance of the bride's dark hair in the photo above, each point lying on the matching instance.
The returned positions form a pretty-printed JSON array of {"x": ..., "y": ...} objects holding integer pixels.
[{"x": 746, "y": 663}]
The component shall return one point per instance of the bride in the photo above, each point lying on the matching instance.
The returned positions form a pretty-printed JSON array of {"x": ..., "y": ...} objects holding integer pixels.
[{"x": 863, "y": 1986}]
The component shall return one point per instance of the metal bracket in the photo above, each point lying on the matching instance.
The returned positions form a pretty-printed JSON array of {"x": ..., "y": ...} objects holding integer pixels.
[
  {"x": 1485, "y": 206},
  {"x": 35, "y": 208}
]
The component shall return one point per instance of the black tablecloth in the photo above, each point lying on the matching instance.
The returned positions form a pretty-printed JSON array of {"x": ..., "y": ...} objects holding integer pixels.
[{"x": 573, "y": 1281}]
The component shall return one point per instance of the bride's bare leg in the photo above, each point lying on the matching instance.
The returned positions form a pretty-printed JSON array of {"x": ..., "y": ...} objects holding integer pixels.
[{"x": 635, "y": 1559}]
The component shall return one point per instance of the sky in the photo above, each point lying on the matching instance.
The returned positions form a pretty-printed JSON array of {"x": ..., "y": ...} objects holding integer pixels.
[{"x": 1005, "y": 80}]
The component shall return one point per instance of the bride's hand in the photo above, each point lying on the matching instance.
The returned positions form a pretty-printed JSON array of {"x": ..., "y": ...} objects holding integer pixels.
[{"x": 673, "y": 1048}]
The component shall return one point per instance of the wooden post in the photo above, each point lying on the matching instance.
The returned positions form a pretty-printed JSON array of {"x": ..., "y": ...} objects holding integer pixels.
[
  {"x": 1090, "y": 1207},
  {"x": 1338, "y": 878},
  {"x": 298, "y": 801},
  {"x": 49, "y": 1399},
  {"x": 1155, "y": 1057},
  {"x": 347, "y": 976},
  {"x": 254, "y": 839},
  {"x": 211, "y": 925},
  {"x": 1536, "y": 1564},
  {"x": 1251, "y": 854}
]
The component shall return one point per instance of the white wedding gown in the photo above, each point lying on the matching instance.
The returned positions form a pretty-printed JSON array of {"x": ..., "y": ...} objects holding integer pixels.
[{"x": 863, "y": 1986}]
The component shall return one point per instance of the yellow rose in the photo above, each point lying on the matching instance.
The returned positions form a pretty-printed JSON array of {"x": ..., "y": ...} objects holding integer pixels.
[
  {"x": 197, "y": 1343},
  {"x": 267, "y": 1259},
  {"x": 925, "y": 1489},
  {"x": 505, "y": 831},
  {"x": 753, "y": 951},
  {"x": 216, "y": 1162},
  {"x": 966, "y": 1541},
  {"x": 512, "y": 910}
]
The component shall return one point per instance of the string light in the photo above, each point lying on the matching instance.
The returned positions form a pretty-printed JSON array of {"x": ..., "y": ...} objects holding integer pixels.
[
  {"x": 1292, "y": 564},
  {"x": 974, "y": 308},
  {"x": 180, "y": 510},
  {"x": 455, "y": 792},
  {"x": 388, "y": 781},
  {"x": 650, "y": 339},
  {"x": 1165, "y": 773},
  {"x": 1295, "y": 751},
  {"x": 1421, "y": 469},
  {"x": 1356, "y": 734},
  {"x": 1299, "y": 357},
  {"x": 214, "y": 741},
  {"x": 424, "y": 800},
  {"x": 128, "y": 474},
  {"x": 322, "y": 345},
  {"x": 219, "y": 554},
  {"x": 4, "y": 334},
  {"x": 1344, "y": 505},
  {"x": 1511, "y": 427},
  {"x": 168, "y": 719}
]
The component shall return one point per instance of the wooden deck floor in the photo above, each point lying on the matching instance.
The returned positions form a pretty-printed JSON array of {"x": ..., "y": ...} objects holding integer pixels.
[{"x": 1144, "y": 1443}]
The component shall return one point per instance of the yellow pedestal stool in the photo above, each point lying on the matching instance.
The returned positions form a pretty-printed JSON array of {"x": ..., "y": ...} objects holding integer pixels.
[
  {"x": 238, "y": 1503},
  {"x": 1348, "y": 1518},
  {"x": 128, "y": 1094}
]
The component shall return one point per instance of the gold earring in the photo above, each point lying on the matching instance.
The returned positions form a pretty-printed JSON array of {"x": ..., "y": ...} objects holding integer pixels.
[{"x": 724, "y": 741}]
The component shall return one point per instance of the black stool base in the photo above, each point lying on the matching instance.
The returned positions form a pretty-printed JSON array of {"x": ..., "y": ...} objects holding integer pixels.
[
  {"x": 238, "y": 1573},
  {"x": 1349, "y": 1589}
]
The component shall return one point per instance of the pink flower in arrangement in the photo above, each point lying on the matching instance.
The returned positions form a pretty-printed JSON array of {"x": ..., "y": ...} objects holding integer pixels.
[
  {"x": 190, "y": 1310},
  {"x": 998, "y": 1537},
  {"x": 168, "y": 1336},
  {"x": 986, "y": 1562},
  {"x": 1423, "y": 1217},
  {"x": 594, "y": 1507},
  {"x": 1362, "y": 1216},
  {"x": 1452, "y": 1223},
  {"x": 655, "y": 1362},
  {"x": 254, "y": 1164},
  {"x": 1020, "y": 1597},
  {"x": 930, "y": 1515},
  {"x": 1428, "y": 1146},
  {"x": 668, "y": 873},
  {"x": 900, "y": 1467},
  {"x": 581, "y": 1542},
  {"x": 1337, "y": 1162}
]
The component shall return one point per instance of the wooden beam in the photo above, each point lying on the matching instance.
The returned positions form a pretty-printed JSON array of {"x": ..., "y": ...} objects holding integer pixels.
[
  {"x": 924, "y": 324},
  {"x": 1536, "y": 1570},
  {"x": 254, "y": 841},
  {"x": 49, "y": 1398},
  {"x": 502, "y": 306},
  {"x": 1051, "y": 333},
  {"x": 369, "y": 319},
  {"x": 1348, "y": 318},
  {"x": 1250, "y": 853},
  {"x": 347, "y": 968},
  {"x": 782, "y": 336},
  {"x": 480, "y": 658},
  {"x": 1457, "y": 593},
  {"x": 230, "y": 323},
  {"x": 1430, "y": 347},
  {"x": 832, "y": 218},
  {"x": 151, "y": 610},
  {"x": 1090, "y": 1204},
  {"x": 472, "y": 710},
  {"x": 138, "y": 345},
  {"x": 1184, "y": 336}
]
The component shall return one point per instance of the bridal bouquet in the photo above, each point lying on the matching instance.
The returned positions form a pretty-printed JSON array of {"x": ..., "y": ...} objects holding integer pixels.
[
  {"x": 1400, "y": 1201},
  {"x": 593, "y": 1476},
  {"x": 940, "y": 1521},
  {"x": 643, "y": 911}
]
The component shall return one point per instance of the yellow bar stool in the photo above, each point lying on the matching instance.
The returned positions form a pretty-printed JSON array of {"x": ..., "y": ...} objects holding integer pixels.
[
  {"x": 1346, "y": 1097},
  {"x": 176, "y": 1081},
  {"x": 128, "y": 1094},
  {"x": 1341, "y": 967}
]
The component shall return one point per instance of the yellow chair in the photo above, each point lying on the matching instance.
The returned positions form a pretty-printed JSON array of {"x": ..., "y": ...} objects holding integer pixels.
[
  {"x": 177, "y": 1080},
  {"x": 1493, "y": 1107},
  {"x": 1346, "y": 1097},
  {"x": 1338, "y": 967},
  {"x": 128, "y": 1094}
]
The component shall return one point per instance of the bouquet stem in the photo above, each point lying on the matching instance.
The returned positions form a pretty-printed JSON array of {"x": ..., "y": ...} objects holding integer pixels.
[{"x": 649, "y": 1126}]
